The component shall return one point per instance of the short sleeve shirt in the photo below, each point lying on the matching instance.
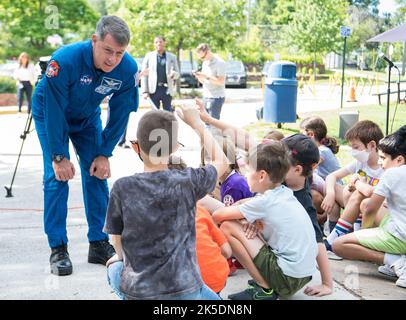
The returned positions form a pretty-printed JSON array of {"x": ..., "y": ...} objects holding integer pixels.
[
  {"x": 214, "y": 68},
  {"x": 373, "y": 175},
  {"x": 234, "y": 188},
  {"x": 155, "y": 215},
  {"x": 304, "y": 196},
  {"x": 287, "y": 229},
  {"x": 329, "y": 163},
  {"x": 392, "y": 186}
]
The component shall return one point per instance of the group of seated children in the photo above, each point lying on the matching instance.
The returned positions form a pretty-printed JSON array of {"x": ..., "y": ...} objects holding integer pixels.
[{"x": 174, "y": 240}]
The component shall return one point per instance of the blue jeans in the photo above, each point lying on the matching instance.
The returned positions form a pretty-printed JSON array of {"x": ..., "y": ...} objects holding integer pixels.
[
  {"x": 213, "y": 106},
  {"x": 114, "y": 278}
]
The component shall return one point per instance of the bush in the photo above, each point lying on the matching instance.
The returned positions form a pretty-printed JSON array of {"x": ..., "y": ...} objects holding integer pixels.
[{"x": 7, "y": 85}]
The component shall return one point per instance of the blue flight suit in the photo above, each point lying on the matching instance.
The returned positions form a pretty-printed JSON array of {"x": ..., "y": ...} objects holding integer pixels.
[{"x": 66, "y": 105}]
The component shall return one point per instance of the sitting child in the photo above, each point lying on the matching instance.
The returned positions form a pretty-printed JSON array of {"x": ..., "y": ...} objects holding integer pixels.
[
  {"x": 304, "y": 156},
  {"x": 233, "y": 186},
  {"x": 212, "y": 248},
  {"x": 155, "y": 238},
  {"x": 283, "y": 261},
  {"x": 363, "y": 137},
  {"x": 385, "y": 244},
  {"x": 315, "y": 128}
]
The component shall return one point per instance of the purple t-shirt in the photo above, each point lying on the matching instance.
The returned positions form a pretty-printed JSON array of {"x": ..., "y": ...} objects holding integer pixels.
[{"x": 234, "y": 188}]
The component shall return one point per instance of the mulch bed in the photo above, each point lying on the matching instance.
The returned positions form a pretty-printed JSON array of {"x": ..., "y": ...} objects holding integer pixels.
[{"x": 8, "y": 99}]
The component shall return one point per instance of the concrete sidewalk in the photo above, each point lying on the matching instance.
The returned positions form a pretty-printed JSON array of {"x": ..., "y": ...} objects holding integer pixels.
[{"x": 24, "y": 252}]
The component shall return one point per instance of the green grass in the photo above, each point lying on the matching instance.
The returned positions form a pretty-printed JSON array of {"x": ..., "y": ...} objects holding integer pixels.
[{"x": 374, "y": 113}]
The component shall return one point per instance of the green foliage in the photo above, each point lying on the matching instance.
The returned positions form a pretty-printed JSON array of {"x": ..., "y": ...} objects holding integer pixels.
[
  {"x": 250, "y": 51},
  {"x": 29, "y": 22},
  {"x": 315, "y": 27},
  {"x": 262, "y": 12},
  {"x": 7, "y": 85},
  {"x": 184, "y": 23},
  {"x": 302, "y": 60},
  {"x": 283, "y": 12}
]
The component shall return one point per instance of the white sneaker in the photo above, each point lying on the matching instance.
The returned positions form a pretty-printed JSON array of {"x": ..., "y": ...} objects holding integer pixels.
[
  {"x": 387, "y": 271},
  {"x": 401, "y": 282},
  {"x": 332, "y": 256},
  {"x": 399, "y": 266}
]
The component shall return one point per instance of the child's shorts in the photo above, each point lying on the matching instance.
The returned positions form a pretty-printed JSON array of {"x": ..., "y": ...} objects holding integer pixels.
[
  {"x": 379, "y": 239},
  {"x": 267, "y": 265}
]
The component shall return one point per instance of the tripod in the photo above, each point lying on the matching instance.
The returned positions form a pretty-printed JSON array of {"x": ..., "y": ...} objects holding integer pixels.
[
  {"x": 22, "y": 136},
  {"x": 43, "y": 65}
]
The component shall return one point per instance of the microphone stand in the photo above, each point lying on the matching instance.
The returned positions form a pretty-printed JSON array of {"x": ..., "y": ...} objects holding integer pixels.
[{"x": 388, "y": 99}]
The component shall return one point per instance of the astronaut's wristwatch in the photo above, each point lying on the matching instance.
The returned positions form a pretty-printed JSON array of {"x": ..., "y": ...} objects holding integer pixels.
[{"x": 57, "y": 158}]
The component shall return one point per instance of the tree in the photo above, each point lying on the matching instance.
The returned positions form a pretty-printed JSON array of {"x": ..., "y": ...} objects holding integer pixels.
[
  {"x": 30, "y": 22},
  {"x": 262, "y": 12},
  {"x": 282, "y": 14},
  {"x": 315, "y": 26},
  {"x": 183, "y": 23}
]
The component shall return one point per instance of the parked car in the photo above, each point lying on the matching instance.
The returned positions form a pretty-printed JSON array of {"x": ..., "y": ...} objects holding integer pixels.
[
  {"x": 265, "y": 69},
  {"x": 236, "y": 74},
  {"x": 8, "y": 68},
  {"x": 186, "y": 77}
]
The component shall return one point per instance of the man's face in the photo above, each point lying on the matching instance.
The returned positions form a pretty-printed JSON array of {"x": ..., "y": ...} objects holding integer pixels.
[
  {"x": 107, "y": 53},
  {"x": 159, "y": 44},
  {"x": 201, "y": 55}
]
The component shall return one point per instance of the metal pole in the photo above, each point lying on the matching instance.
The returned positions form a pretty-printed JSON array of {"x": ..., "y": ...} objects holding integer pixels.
[
  {"x": 342, "y": 77},
  {"x": 388, "y": 101}
]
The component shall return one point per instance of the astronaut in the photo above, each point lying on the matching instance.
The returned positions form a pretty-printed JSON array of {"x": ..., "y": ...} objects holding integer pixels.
[{"x": 66, "y": 106}]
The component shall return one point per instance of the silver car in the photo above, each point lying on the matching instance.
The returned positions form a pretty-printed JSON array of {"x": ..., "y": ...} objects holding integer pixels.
[{"x": 236, "y": 74}]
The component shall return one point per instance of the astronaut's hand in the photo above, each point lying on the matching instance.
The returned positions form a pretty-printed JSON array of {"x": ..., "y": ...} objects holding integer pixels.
[
  {"x": 63, "y": 170},
  {"x": 100, "y": 168}
]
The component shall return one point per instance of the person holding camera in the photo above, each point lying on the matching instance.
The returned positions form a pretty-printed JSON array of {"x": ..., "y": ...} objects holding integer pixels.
[
  {"x": 66, "y": 106},
  {"x": 212, "y": 77},
  {"x": 24, "y": 75}
]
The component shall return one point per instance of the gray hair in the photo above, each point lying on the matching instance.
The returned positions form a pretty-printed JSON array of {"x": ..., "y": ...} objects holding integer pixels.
[{"x": 114, "y": 26}]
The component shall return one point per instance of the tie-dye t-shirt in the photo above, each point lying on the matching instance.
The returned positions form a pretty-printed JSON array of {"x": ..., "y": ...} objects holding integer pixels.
[{"x": 155, "y": 215}]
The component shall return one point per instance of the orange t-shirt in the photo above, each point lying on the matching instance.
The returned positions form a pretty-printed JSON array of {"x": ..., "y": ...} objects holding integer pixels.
[{"x": 209, "y": 238}]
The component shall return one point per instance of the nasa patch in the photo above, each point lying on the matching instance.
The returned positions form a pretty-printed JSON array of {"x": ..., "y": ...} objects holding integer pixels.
[
  {"x": 85, "y": 80},
  {"x": 52, "y": 69}
]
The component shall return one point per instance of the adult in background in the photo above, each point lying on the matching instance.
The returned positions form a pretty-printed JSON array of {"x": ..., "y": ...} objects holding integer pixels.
[
  {"x": 24, "y": 75},
  {"x": 159, "y": 83},
  {"x": 66, "y": 106},
  {"x": 212, "y": 77}
]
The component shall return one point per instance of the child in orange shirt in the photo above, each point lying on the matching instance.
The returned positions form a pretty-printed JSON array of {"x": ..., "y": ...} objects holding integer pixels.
[{"x": 212, "y": 248}]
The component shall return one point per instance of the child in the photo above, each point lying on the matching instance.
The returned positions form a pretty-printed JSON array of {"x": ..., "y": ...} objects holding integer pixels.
[
  {"x": 315, "y": 128},
  {"x": 212, "y": 248},
  {"x": 385, "y": 244},
  {"x": 363, "y": 137},
  {"x": 233, "y": 186},
  {"x": 304, "y": 156},
  {"x": 155, "y": 238},
  {"x": 274, "y": 134},
  {"x": 305, "y": 165},
  {"x": 283, "y": 263}
]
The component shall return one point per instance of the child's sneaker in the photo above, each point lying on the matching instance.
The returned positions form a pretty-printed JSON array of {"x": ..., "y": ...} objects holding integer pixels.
[
  {"x": 254, "y": 292},
  {"x": 232, "y": 266},
  {"x": 399, "y": 266},
  {"x": 387, "y": 271},
  {"x": 401, "y": 282}
]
